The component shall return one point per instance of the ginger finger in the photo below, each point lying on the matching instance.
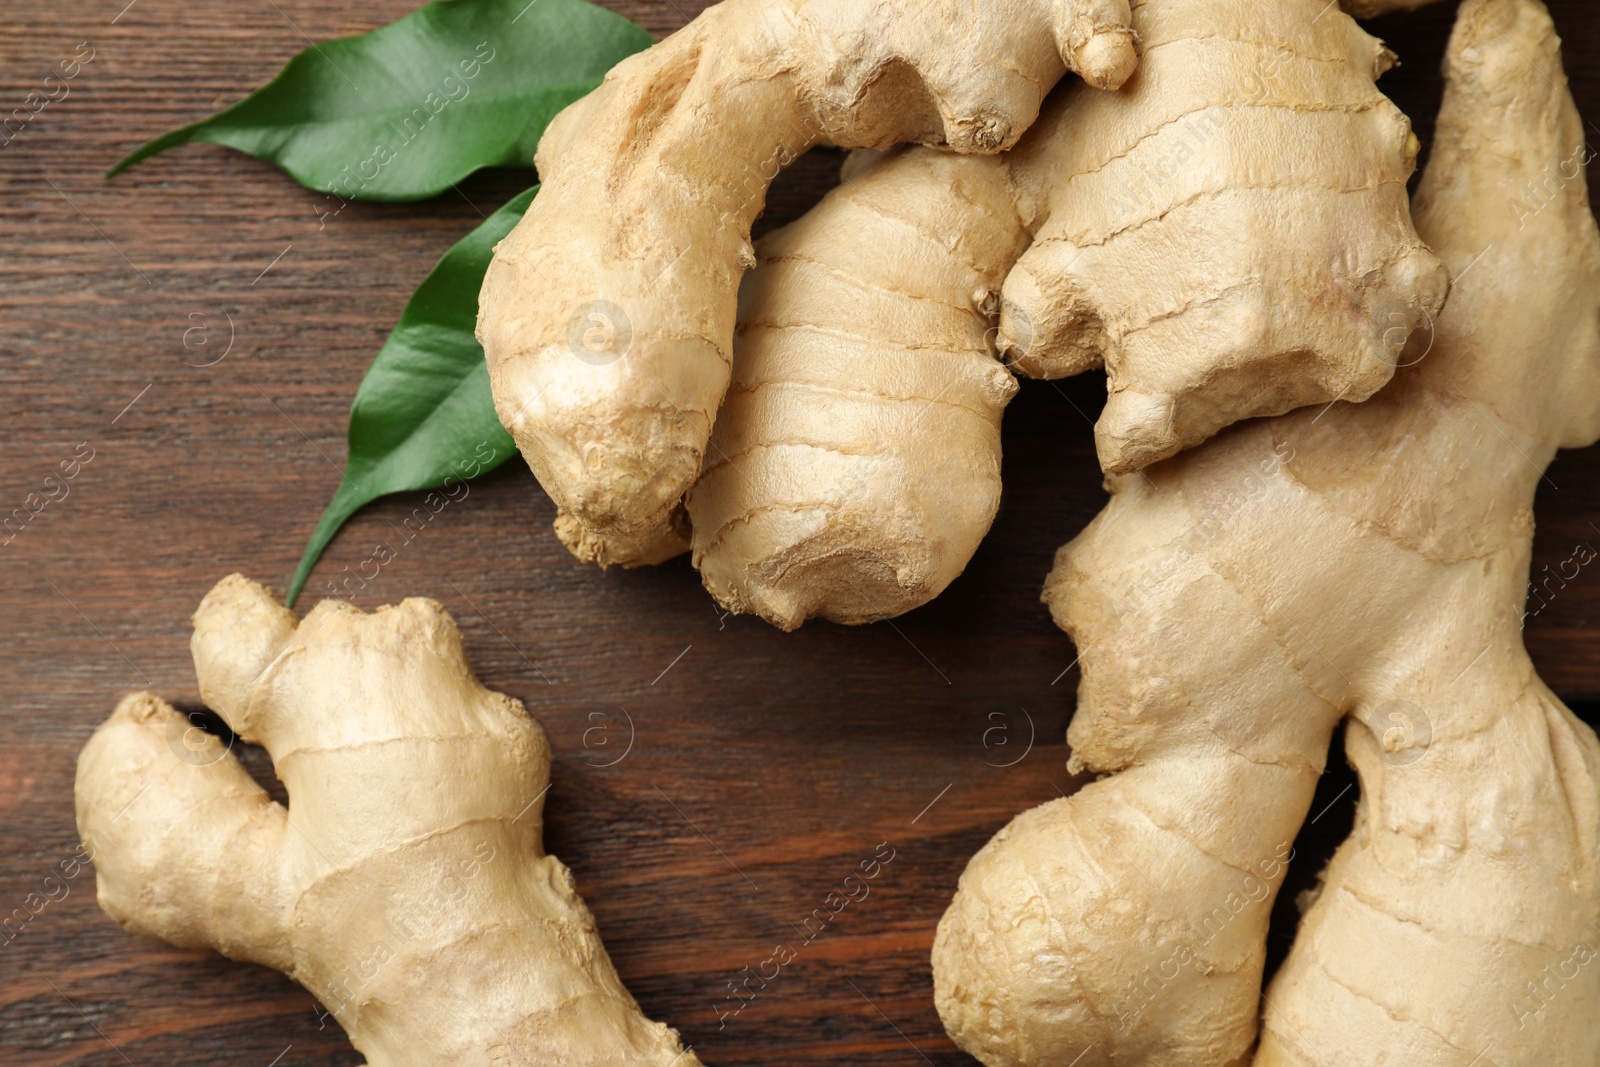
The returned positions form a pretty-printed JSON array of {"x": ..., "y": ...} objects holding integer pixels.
[
  {"x": 1229, "y": 234},
  {"x": 856, "y": 462}
]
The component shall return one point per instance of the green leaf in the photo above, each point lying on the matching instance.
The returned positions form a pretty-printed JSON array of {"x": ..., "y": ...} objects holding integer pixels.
[
  {"x": 424, "y": 417},
  {"x": 405, "y": 111}
]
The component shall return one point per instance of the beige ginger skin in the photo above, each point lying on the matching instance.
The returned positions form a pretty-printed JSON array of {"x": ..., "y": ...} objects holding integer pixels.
[
  {"x": 1366, "y": 565},
  {"x": 406, "y": 885},
  {"x": 607, "y": 315},
  {"x": 1228, "y": 234},
  {"x": 855, "y": 465}
]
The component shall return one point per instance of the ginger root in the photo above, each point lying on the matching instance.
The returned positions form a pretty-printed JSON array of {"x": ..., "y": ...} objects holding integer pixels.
[
  {"x": 1364, "y": 564},
  {"x": 855, "y": 464},
  {"x": 1229, "y": 234},
  {"x": 607, "y": 315},
  {"x": 405, "y": 886}
]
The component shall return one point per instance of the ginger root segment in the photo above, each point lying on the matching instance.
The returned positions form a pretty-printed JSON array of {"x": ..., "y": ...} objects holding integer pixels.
[
  {"x": 607, "y": 315},
  {"x": 856, "y": 463},
  {"x": 405, "y": 886},
  {"x": 1366, "y": 564},
  {"x": 1229, "y": 233}
]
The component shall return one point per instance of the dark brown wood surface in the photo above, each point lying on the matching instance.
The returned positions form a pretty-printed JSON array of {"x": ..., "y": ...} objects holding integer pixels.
[{"x": 763, "y": 766}]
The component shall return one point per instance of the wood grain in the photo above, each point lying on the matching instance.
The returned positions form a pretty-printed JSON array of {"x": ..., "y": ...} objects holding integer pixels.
[{"x": 763, "y": 766}]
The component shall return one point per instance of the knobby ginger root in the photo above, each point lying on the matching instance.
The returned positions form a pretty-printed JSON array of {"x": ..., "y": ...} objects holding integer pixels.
[
  {"x": 1229, "y": 234},
  {"x": 1366, "y": 563},
  {"x": 856, "y": 462},
  {"x": 405, "y": 886},
  {"x": 607, "y": 315}
]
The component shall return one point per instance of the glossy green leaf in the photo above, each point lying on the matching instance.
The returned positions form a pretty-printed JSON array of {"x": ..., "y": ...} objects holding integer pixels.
[
  {"x": 423, "y": 417},
  {"x": 405, "y": 111}
]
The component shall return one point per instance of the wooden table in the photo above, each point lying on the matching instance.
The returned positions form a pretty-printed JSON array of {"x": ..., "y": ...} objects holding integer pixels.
[{"x": 763, "y": 767}]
